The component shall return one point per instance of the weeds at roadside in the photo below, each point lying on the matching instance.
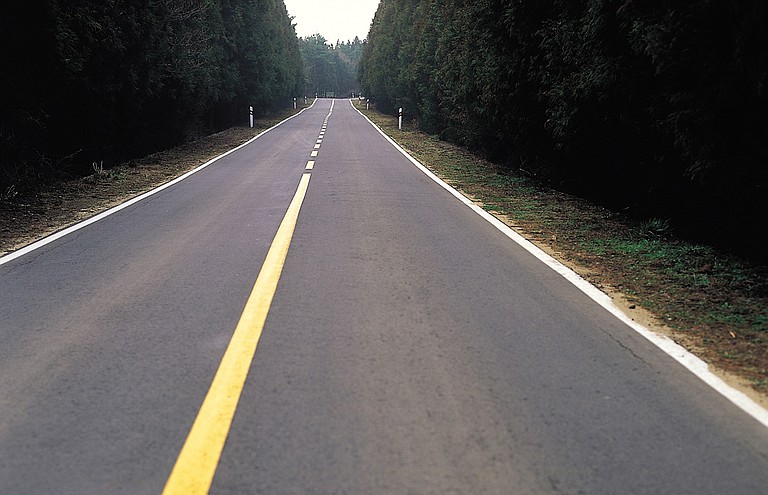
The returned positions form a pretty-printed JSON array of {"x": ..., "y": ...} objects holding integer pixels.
[{"x": 715, "y": 304}]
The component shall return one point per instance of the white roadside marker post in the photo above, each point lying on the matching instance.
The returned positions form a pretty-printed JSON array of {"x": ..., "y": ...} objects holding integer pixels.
[
  {"x": 251, "y": 111},
  {"x": 400, "y": 119}
]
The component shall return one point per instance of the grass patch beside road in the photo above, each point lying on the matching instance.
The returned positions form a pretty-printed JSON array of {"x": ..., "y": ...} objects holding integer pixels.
[{"x": 713, "y": 304}]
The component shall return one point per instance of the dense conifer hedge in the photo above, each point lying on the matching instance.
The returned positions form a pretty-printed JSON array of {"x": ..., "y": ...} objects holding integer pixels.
[
  {"x": 86, "y": 81},
  {"x": 330, "y": 70},
  {"x": 657, "y": 108}
]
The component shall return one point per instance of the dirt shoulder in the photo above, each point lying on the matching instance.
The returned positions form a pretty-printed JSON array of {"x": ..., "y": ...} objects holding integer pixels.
[
  {"x": 53, "y": 207},
  {"x": 714, "y": 305}
]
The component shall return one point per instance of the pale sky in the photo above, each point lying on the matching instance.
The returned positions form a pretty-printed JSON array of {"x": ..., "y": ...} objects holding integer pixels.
[{"x": 334, "y": 19}]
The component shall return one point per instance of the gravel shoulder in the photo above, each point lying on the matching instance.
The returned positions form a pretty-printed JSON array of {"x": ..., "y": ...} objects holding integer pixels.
[
  {"x": 714, "y": 305},
  {"x": 25, "y": 218}
]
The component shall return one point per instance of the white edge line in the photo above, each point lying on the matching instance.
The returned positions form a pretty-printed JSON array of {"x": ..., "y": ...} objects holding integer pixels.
[
  {"x": 693, "y": 363},
  {"x": 73, "y": 228}
]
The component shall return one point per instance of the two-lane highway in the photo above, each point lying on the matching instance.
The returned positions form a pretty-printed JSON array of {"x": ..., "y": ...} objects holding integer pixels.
[{"x": 409, "y": 347}]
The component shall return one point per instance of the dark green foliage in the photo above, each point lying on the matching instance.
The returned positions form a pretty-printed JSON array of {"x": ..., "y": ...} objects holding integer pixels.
[
  {"x": 656, "y": 108},
  {"x": 93, "y": 80},
  {"x": 330, "y": 70}
]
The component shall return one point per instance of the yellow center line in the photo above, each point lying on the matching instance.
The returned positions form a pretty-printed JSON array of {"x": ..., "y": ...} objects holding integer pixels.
[{"x": 196, "y": 465}]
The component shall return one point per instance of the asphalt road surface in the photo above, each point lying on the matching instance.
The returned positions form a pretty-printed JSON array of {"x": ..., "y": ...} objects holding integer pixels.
[{"x": 409, "y": 347}]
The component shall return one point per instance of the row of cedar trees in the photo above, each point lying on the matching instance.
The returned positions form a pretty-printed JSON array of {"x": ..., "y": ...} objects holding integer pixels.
[
  {"x": 86, "y": 81},
  {"x": 656, "y": 108},
  {"x": 330, "y": 70}
]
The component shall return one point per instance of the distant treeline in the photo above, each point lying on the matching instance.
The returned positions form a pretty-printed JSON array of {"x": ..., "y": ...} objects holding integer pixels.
[
  {"x": 89, "y": 80},
  {"x": 657, "y": 108},
  {"x": 330, "y": 70}
]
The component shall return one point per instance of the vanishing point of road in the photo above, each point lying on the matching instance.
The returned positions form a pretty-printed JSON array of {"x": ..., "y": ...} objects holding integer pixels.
[{"x": 312, "y": 314}]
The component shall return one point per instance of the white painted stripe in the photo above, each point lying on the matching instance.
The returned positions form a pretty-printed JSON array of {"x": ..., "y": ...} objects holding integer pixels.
[
  {"x": 74, "y": 228},
  {"x": 313, "y": 154},
  {"x": 676, "y": 351}
]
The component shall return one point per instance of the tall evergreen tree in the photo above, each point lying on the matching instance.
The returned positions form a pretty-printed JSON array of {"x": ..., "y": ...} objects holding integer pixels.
[
  {"x": 657, "y": 109},
  {"x": 330, "y": 70},
  {"x": 93, "y": 80}
]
